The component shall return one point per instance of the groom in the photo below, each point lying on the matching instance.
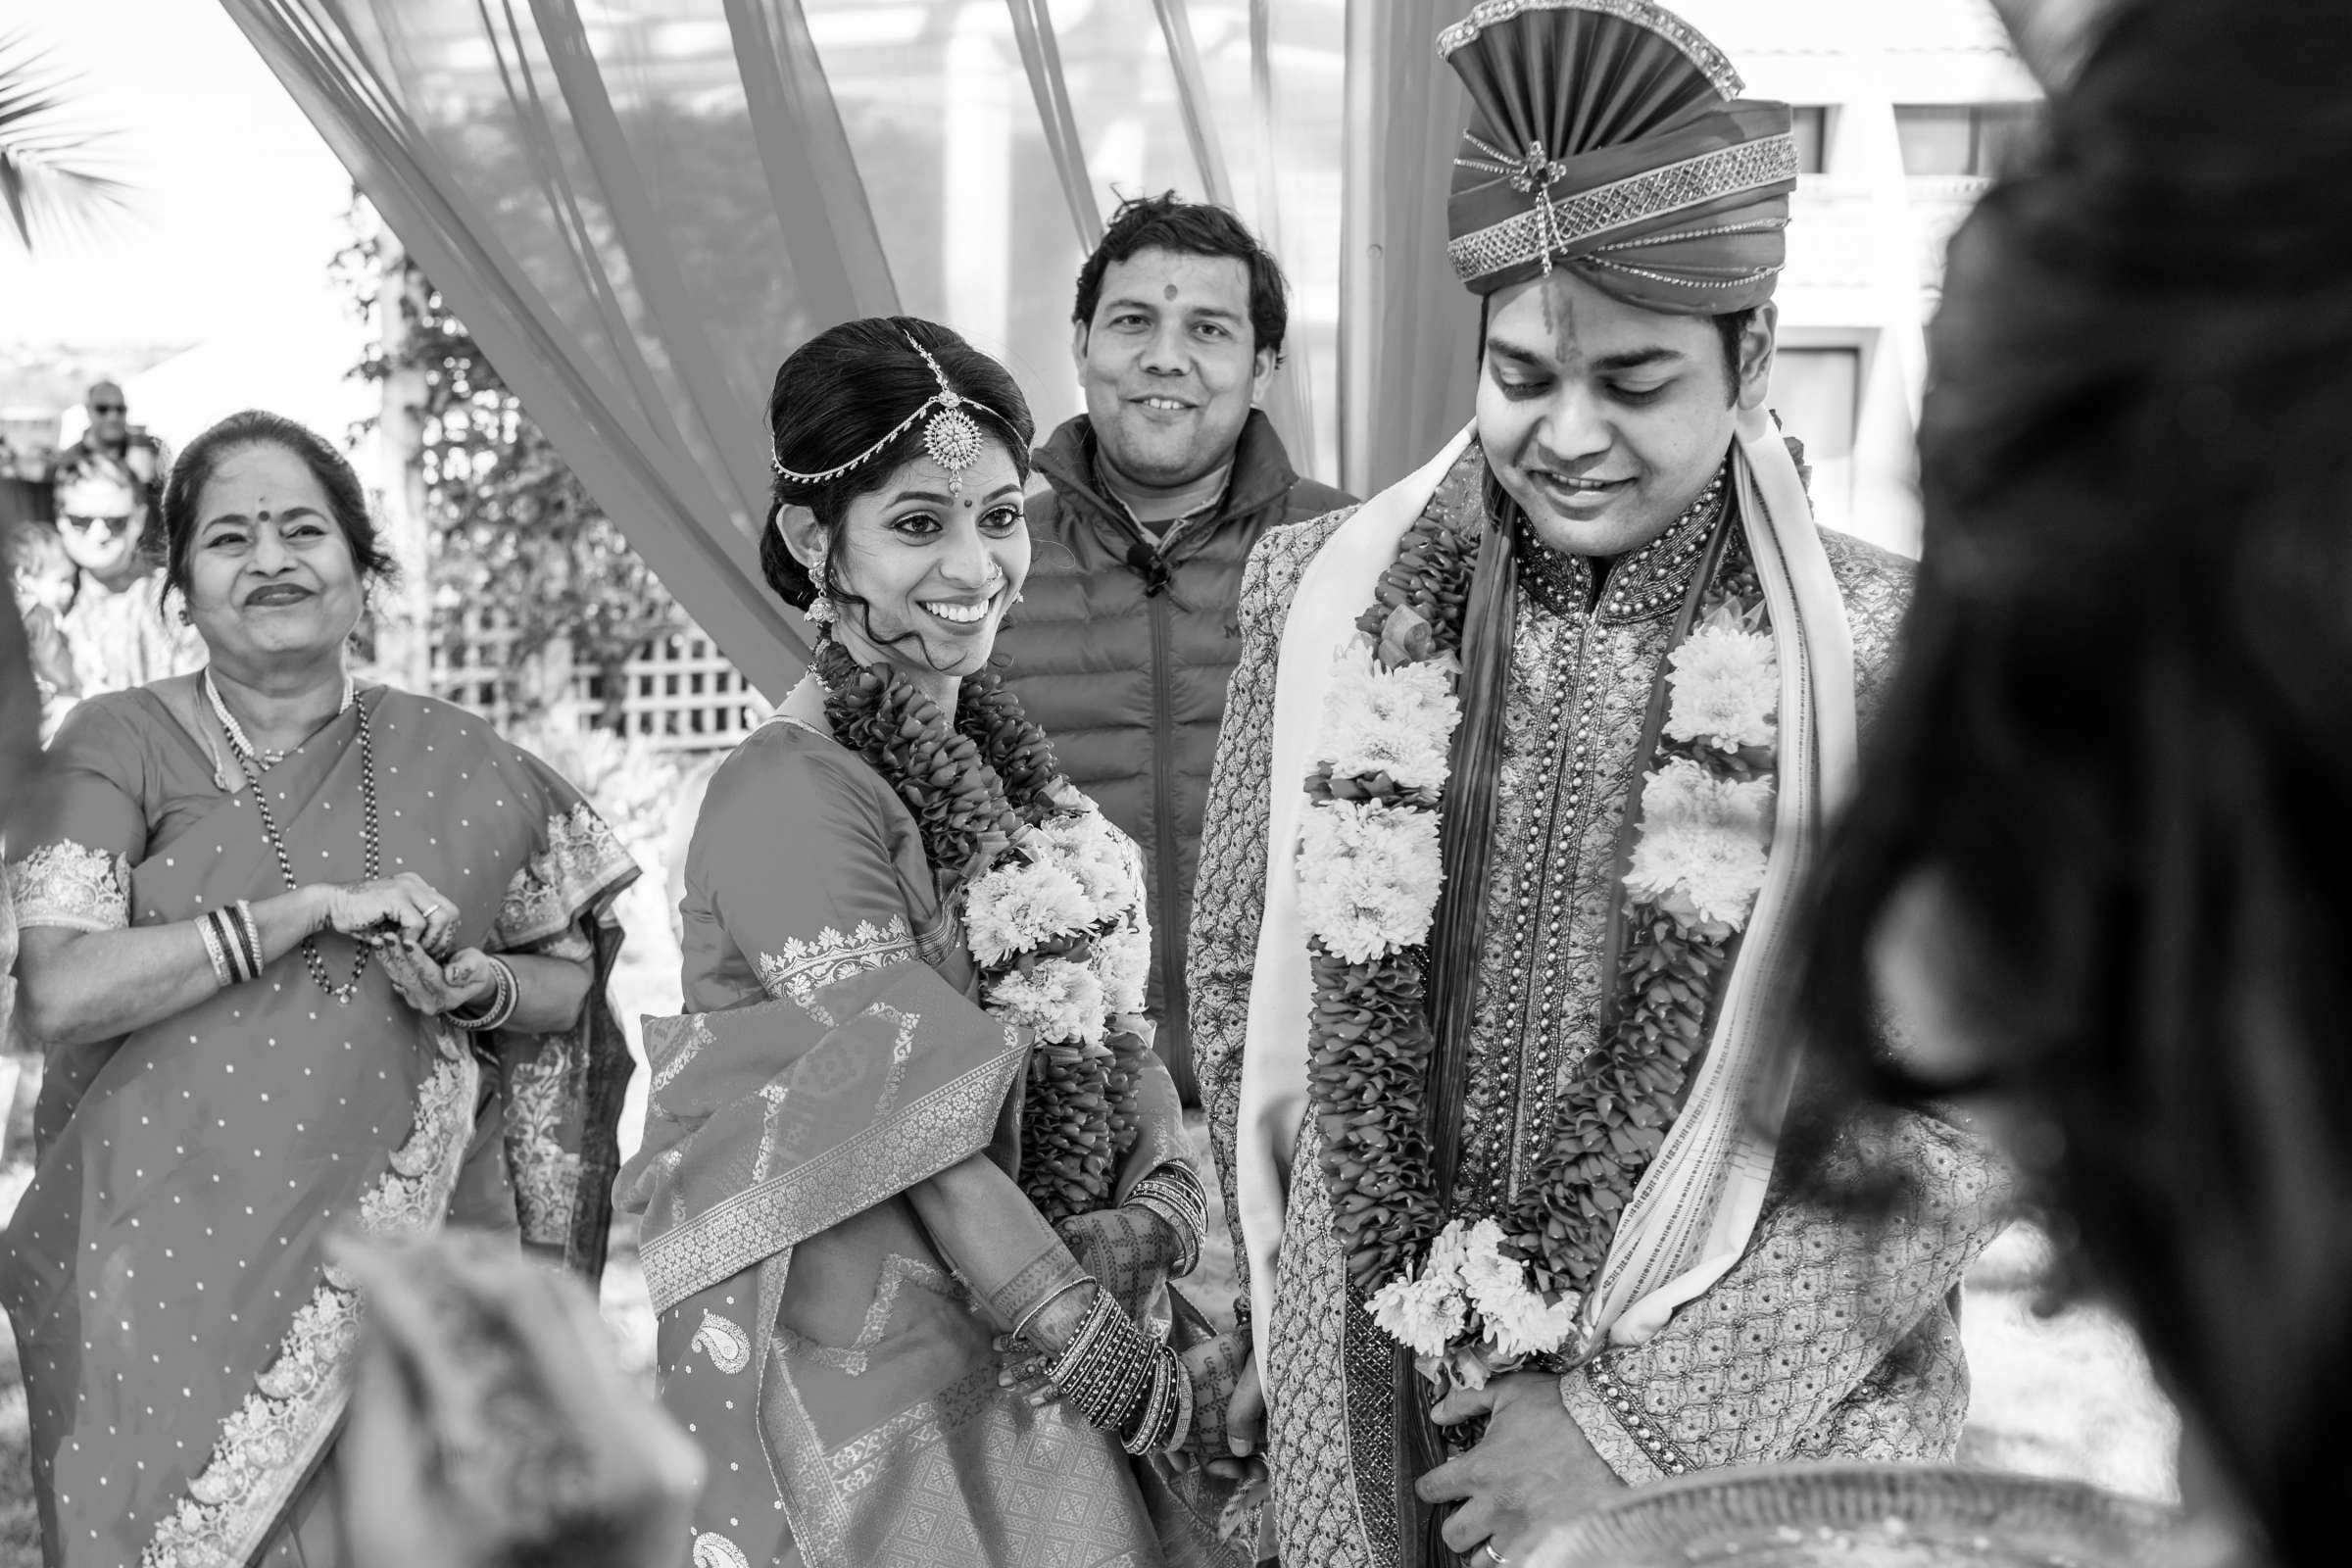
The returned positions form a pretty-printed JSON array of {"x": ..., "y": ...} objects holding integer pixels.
[{"x": 1559, "y": 717}]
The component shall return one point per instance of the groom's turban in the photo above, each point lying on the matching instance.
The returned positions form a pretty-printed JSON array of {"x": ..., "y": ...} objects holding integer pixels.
[{"x": 1607, "y": 136}]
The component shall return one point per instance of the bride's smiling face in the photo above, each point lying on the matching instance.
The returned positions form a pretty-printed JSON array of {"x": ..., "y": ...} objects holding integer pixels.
[{"x": 936, "y": 565}]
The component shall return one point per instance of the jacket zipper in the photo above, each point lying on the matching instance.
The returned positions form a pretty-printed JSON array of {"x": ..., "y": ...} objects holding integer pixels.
[{"x": 1162, "y": 806}]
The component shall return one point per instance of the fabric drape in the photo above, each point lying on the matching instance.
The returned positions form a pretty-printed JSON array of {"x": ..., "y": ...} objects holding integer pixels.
[
  {"x": 616, "y": 242},
  {"x": 640, "y": 212},
  {"x": 1408, "y": 363}
]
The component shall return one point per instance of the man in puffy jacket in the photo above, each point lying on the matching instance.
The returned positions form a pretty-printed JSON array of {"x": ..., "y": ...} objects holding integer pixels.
[{"x": 1143, "y": 510}]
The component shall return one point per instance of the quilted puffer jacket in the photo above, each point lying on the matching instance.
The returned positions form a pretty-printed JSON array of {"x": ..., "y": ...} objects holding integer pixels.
[{"x": 1121, "y": 652}]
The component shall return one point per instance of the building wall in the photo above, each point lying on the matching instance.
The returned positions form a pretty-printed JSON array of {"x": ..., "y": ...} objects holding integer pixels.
[{"x": 1867, "y": 232}]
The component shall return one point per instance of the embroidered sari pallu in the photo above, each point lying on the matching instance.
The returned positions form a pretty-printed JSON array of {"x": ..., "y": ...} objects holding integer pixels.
[
  {"x": 185, "y": 1349},
  {"x": 819, "y": 1342}
]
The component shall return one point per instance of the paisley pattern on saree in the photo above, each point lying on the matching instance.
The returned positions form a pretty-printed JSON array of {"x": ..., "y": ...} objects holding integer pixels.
[
  {"x": 723, "y": 1341},
  {"x": 71, "y": 886},
  {"x": 715, "y": 1550},
  {"x": 269, "y": 1444}
]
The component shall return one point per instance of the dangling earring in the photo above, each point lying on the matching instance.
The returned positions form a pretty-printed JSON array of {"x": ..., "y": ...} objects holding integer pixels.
[
  {"x": 820, "y": 609},
  {"x": 186, "y": 620}
]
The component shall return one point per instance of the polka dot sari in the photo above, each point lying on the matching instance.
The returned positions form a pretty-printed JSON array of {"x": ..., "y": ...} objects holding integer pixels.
[{"x": 184, "y": 1347}]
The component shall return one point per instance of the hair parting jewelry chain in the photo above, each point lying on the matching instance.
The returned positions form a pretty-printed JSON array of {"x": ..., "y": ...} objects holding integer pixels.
[
  {"x": 952, "y": 438},
  {"x": 371, "y": 834}
]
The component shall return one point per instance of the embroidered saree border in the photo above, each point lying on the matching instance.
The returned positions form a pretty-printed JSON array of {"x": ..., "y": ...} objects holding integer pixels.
[
  {"x": 583, "y": 860},
  {"x": 269, "y": 1444},
  {"x": 73, "y": 887},
  {"x": 916, "y": 1142}
]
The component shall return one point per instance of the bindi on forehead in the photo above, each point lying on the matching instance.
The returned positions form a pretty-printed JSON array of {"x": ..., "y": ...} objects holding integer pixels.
[{"x": 1168, "y": 293}]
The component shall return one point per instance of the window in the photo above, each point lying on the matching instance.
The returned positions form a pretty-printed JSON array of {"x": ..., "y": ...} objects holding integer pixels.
[
  {"x": 1817, "y": 392},
  {"x": 1812, "y": 131},
  {"x": 1944, "y": 140}
]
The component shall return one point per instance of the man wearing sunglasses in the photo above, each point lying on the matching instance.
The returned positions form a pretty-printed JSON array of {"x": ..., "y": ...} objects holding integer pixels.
[
  {"x": 117, "y": 625},
  {"x": 112, "y": 437}
]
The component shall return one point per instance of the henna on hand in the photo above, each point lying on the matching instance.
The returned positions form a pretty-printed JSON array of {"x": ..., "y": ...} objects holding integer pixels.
[{"x": 1128, "y": 1251}]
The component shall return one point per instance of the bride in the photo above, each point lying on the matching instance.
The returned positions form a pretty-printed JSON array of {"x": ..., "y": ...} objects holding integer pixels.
[{"x": 913, "y": 1180}]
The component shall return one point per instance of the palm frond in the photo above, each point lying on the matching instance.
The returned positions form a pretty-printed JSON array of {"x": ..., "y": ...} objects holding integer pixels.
[{"x": 54, "y": 166}]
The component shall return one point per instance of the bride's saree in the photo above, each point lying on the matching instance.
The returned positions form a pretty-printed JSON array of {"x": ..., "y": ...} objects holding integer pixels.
[{"x": 831, "y": 1354}]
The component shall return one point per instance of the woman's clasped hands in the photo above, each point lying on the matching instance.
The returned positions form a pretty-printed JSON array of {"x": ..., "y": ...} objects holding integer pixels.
[{"x": 412, "y": 928}]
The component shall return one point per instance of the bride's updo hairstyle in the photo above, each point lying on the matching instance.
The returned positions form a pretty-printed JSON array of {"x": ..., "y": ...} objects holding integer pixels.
[{"x": 843, "y": 392}]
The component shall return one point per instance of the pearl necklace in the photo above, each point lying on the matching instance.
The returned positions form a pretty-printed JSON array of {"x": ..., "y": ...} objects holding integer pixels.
[
  {"x": 236, "y": 731},
  {"x": 370, "y": 837}
]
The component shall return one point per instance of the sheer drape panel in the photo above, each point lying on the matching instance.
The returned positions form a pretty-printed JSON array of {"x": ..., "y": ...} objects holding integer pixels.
[
  {"x": 1049, "y": 84},
  {"x": 638, "y": 217},
  {"x": 1408, "y": 371},
  {"x": 640, "y": 207},
  {"x": 806, "y": 155}
]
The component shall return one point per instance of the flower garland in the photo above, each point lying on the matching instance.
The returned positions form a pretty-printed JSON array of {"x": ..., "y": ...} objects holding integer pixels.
[
  {"x": 1369, "y": 1038},
  {"x": 1052, "y": 898},
  {"x": 1470, "y": 1296}
]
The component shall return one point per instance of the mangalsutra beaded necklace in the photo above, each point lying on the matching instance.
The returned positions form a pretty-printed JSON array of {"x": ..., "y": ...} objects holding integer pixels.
[{"x": 370, "y": 840}]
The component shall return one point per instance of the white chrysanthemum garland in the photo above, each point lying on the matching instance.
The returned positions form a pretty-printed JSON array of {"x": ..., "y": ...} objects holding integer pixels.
[
  {"x": 1488, "y": 1292},
  {"x": 1058, "y": 928},
  {"x": 1052, "y": 897}
]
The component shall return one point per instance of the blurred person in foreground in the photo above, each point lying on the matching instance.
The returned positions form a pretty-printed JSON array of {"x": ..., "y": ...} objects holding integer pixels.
[
  {"x": 21, "y": 703},
  {"x": 1143, "y": 511},
  {"x": 912, "y": 1182},
  {"x": 2095, "y": 859},
  {"x": 298, "y": 952},
  {"x": 120, "y": 632},
  {"x": 1525, "y": 760},
  {"x": 44, "y": 576},
  {"x": 491, "y": 1423}
]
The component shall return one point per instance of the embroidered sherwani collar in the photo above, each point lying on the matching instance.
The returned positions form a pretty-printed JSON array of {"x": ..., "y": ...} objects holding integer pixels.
[{"x": 1641, "y": 585}]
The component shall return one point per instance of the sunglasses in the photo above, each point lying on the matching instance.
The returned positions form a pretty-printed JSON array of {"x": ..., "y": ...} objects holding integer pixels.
[
  {"x": 110, "y": 408},
  {"x": 91, "y": 524}
]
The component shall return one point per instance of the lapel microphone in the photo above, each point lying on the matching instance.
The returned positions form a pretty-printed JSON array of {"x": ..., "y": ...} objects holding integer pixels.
[{"x": 1147, "y": 564}]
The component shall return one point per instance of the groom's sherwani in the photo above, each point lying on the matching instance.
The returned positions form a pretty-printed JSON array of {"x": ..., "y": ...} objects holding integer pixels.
[{"x": 1832, "y": 1336}]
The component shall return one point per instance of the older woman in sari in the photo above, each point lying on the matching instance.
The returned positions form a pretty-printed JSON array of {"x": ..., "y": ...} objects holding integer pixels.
[
  {"x": 891, "y": 1082},
  {"x": 303, "y": 954}
]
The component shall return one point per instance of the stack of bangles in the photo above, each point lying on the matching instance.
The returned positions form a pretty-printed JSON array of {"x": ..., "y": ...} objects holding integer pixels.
[
  {"x": 1173, "y": 1192},
  {"x": 1119, "y": 1380},
  {"x": 501, "y": 1007},
  {"x": 233, "y": 940}
]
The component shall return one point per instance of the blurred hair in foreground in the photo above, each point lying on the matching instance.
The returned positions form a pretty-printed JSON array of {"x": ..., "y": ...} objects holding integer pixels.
[{"x": 2106, "y": 799}]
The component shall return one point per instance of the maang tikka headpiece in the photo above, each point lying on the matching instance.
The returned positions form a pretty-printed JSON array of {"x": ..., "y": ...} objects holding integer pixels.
[{"x": 952, "y": 438}]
